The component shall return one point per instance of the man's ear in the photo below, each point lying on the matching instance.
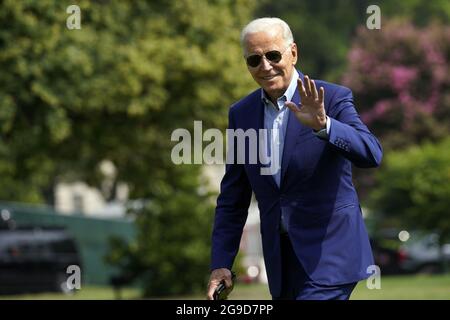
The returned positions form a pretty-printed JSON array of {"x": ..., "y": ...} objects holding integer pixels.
[{"x": 294, "y": 52}]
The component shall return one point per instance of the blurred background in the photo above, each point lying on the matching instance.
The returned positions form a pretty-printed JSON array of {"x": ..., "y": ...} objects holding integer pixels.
[{"x": 86, "y": 117}]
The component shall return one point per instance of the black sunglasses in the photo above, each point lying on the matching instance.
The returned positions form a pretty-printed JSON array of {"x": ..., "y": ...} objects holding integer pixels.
[{"x": 272, "y": 56}]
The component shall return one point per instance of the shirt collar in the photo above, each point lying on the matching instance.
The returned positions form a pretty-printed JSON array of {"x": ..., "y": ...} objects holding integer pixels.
[{"x": 288, "y": 94}]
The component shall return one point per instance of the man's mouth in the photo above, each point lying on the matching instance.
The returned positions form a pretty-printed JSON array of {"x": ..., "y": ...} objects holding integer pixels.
[{"x": 269, "y": 77}]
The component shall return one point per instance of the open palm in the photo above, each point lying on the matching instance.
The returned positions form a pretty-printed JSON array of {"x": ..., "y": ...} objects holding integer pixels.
[{"x": 311, "y": 111}]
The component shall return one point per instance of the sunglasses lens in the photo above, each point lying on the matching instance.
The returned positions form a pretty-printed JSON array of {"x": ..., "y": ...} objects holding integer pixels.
[
  {"x": 253, "y": 60},
  {"x": 273, "y": 56}
]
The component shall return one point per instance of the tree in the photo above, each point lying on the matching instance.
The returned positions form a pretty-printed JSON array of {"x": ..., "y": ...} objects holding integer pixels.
[
  {"x": 419, "y": 12},
  {"x": 414, "y": 188},
  {"x": 399, "y": 77},
  {"x": 322, "y": 30},
  {"x": 170, "y": 255},
  {"x": 325, "y": 29},
  {"x": 402, "y": 86},
  {"x": 115, "y": 90}
]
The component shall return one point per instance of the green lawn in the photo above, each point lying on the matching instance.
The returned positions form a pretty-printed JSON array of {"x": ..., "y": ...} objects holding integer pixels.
[
  {"x": 392, "y": 287},
  {"x": 407, "y": 288},
  {"x": 398, "y": 287},
  {"x": 85, "y": 293}
]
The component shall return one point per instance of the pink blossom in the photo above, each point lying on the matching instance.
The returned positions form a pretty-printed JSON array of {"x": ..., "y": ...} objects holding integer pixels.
[{"x": 402, "y": 76}]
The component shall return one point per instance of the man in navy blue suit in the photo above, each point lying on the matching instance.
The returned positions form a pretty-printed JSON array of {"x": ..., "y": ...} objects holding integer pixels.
[{"x": 314, "y": 240}]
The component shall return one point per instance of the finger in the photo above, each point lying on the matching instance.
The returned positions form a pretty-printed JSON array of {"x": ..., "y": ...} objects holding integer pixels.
[
  {"x": 308, "y": 86},
  {"x": 314, "y": 90},
  {"x": 292, "y": 106},
  {"x": 228, "y": 282},
  {"x": 211, "y": 289},
  {"x": 301, "y": 88},
  {"x": 321, "y": 95}
]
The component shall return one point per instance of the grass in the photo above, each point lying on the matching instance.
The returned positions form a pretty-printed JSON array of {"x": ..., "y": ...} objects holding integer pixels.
[
  {"x": 426, "y": 287},
  {"x": 436, "y": 287},
  {"x": 85, "y": 293},
  {"x": 407, "y": 287}
]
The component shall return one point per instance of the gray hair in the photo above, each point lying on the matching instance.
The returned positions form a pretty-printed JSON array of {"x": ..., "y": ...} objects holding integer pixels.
[{"x": 267, "y": 25}]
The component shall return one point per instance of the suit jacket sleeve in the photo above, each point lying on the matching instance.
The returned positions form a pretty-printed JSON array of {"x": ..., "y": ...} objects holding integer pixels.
[
  {"x": 231, "y": 212},
  {"x": 349, "y": 135}
]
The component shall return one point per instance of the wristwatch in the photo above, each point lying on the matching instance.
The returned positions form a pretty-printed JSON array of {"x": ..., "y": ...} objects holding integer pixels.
[{"x": 322, "y": 133}]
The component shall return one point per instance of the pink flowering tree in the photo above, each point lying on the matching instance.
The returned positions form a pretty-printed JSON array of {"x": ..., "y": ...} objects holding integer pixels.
[{"x": 400, "y": 78}]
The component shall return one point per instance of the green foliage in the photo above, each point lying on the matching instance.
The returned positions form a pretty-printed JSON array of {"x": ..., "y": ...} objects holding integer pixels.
[
  {"x": 171, "y": 251},
  {"x": 403, "y": 83},
  {"x": 324, "y": 29},
  {"x": 399, "y": 79},
  {"x": 414, "y": 187},
  {"x": 420, "y": 12},
  {"x": 116, "y": 89}
]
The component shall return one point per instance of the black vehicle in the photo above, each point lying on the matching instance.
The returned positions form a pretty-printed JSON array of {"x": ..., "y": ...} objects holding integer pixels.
[{"x": 36, "y": 259}]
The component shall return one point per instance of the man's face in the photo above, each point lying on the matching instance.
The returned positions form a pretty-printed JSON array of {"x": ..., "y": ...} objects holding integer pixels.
[{"x": 274, "y": 78}]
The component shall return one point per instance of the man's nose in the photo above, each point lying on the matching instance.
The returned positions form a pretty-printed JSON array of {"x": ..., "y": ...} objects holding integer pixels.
[{"x": 265, "y": 64}]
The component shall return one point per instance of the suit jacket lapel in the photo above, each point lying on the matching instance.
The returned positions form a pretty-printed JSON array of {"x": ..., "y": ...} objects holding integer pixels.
[
  {"x": 257, "y": 122},
  {"x": 293, "y": 131}
]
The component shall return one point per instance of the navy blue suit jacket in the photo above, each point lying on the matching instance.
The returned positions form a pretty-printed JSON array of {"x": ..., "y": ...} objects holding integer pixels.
[{"x": 316, "y": 195}]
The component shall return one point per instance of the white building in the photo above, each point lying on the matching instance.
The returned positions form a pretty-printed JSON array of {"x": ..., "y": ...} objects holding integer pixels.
[{"x": 79, "y": 198}]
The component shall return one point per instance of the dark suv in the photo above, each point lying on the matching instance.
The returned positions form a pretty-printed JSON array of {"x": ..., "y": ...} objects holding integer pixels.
[{"x": 36, "y": 259}]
